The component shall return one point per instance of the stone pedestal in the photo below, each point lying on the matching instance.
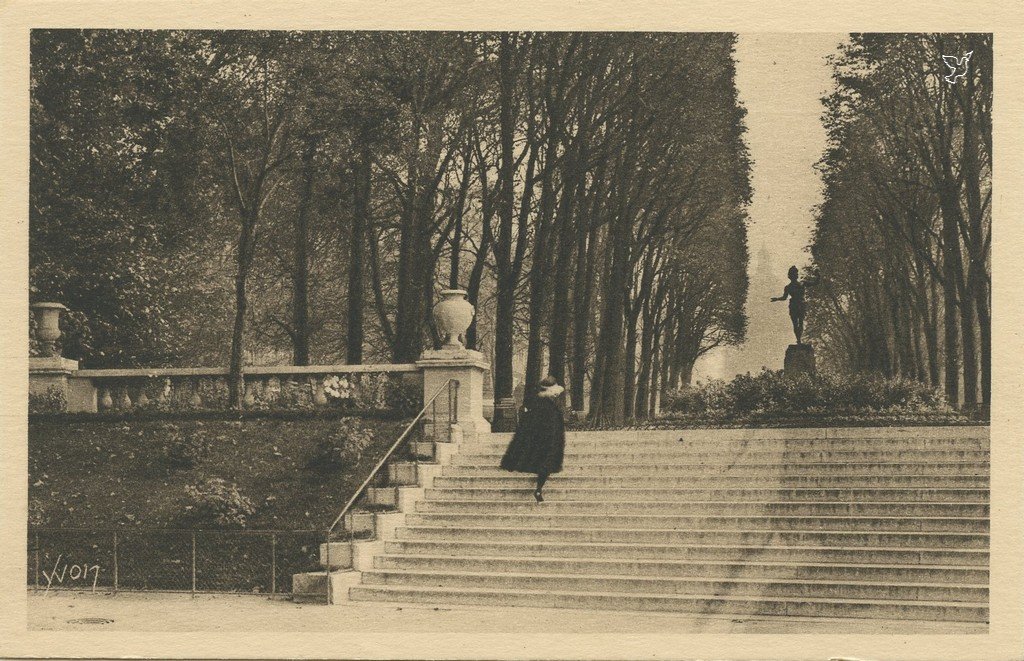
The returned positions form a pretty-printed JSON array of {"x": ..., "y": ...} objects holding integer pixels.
[
  {"x": 468, "y": 368},
  {"x": 56, "y": 373},
  {"x": 799, "y": 360}
]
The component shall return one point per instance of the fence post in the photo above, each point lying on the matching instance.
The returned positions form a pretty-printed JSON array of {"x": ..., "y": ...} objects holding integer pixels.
[
  {"x": 327, "y": 569},
  {"x": 37, "y": 560},
  {"x": 273, "y": 563},
  {"x": 193, "y": 563},
  {"x": 115, "y": 562}
]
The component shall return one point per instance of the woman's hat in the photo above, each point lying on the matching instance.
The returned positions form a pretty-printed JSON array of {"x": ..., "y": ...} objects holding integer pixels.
[{"x": 548, "y": 381}]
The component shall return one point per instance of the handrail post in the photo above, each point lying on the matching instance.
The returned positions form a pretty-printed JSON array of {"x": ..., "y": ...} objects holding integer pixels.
[
  {"x": 455, "y": 409},
  {"x": 193, "y": 563},
  {"x": 115, "y": 562},
  {"x": 452, "y": 384}
]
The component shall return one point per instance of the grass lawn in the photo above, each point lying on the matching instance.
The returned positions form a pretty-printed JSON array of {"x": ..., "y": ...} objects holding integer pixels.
[{"x": 103, "y": 473}]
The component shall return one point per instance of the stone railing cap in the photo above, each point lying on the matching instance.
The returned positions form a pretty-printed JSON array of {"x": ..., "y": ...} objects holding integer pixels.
[
  {"x": 49, "y": 305},
  {"x": 251, "y": 370}
]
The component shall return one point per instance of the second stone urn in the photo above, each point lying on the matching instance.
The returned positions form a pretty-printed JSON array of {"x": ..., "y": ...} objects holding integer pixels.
[
  {"x": 452, "y": 316},
  {"x": 47, "y": 317}
]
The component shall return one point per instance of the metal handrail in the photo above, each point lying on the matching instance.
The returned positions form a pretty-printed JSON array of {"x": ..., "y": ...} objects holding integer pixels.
[
  {"x": 447, "y": 385},
  {"x": 453, "y": 418}
]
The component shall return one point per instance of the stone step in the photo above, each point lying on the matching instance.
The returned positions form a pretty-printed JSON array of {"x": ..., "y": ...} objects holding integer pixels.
[
  {"x": 749, "y": 537},
  {"x": 753, "y": 568},
  {"x": 736, "y": 605},
  {"x": 736, "y": 553},
  {"x": 560, "y": 491},
  {"x": 762, "y": 587},
  {"x": 655, "y": 464},
  {"x": 755, "y": 456},
  {"x": 540, "y": 519},
  {"x": 798, "y": 508},
  {"x": 698, "y": 443},
  {"x": 614, "y": 477},
  {"x": 890, "y": 523},
  {"x": 720, "y": 435}
]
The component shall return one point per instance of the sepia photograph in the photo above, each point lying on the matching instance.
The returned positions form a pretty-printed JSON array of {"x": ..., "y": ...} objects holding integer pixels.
[{"x": 373, "y": 332}]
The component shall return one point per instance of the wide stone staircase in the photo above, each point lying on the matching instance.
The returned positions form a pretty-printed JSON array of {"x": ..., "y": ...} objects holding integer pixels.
[{"x": 864, "y": 523}]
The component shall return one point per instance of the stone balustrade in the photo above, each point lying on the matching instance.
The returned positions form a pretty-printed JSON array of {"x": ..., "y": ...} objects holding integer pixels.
[
  {"x": 267, "y": 388},
  {"x": 57, "y": 385}
]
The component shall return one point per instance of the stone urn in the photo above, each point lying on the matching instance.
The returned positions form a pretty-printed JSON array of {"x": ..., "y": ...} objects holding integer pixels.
[
  {"x": 452, "y": 316},
  {"x": 47, "y": 317}
]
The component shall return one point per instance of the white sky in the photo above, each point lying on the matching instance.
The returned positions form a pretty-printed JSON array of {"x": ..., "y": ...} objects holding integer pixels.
[{"x": 781, "y": 78}]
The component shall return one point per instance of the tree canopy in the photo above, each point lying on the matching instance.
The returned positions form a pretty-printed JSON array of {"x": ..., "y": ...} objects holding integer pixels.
[
  {"x": 908, "y": 182},
  {"x": 242, "y": 197}
]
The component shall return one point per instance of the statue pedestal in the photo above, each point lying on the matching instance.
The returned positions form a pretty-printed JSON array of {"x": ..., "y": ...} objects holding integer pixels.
[
  {"x": 468, "y": 368},
  {"x": 799, "y": 360}
]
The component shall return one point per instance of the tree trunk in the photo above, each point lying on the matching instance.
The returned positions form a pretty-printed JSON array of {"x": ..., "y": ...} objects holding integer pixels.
[
  {"x": 360, "y": 221},
  {"x": 977, "y": 276},
  {"x": 981, "y": 300},
  {"x": 601, "y": 358},
  {"x": 408, "y": 313},
  {"x": 643, "y": 389},
  {"x": 931, "y": 335},
  {"x": 236, "y": 385},
  {"x": 586, "y": 255},
  {"x": 951, "y": 343},
  {"x": 629, "y": 361},
  {"x": 300, "y": 276},
  {"x": 570, "y": 227},
  {"x": 540, "y": 267},
  {"x": 611, "y": 351},
  {"x": 475, "y": 279},
  {"x": 506, "y": 278},
  {"x": 377, "y": 283}
]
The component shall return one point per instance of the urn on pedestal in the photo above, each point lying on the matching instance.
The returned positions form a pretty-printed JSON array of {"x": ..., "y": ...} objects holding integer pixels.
[
  {"x": 47, "y": 316},
  {"x": 452, "y": 315}
]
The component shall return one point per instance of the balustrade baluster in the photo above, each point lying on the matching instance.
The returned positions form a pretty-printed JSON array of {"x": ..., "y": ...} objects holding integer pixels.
[{"x": 319, "y": 398}]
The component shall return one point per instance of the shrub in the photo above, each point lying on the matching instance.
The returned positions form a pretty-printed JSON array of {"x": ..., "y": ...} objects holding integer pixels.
[
  {"x": 184, "y": 450},
  {"x": 772, "y": 393},
  {"x": 344, "y": 448},
  {"x": 34, "y": 346},
  {"x": 51, "y": 401},
  {"x": 217, "y": 502},
  {"x": 403, "y": 396}
]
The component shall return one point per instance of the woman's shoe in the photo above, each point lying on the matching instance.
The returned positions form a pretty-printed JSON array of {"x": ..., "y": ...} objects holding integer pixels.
[{"x": 538, "y": 496}]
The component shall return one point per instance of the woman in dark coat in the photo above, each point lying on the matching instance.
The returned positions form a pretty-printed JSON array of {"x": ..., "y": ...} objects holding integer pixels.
[{"x": 538, "y": 444}]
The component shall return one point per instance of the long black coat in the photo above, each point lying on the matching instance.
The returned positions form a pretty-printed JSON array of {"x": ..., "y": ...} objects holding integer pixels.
[{"x": 538, "y": 445}]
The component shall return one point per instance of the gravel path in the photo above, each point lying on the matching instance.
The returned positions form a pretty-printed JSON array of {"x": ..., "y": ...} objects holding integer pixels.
[{"x": 59, "y": 611}]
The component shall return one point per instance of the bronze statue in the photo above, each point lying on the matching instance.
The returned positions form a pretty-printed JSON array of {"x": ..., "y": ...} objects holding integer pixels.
[{"x": 794, "y": 291}]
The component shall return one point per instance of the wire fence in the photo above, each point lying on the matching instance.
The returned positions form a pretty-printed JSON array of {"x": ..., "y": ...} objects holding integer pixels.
[{"x": 170, "y": 560}]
